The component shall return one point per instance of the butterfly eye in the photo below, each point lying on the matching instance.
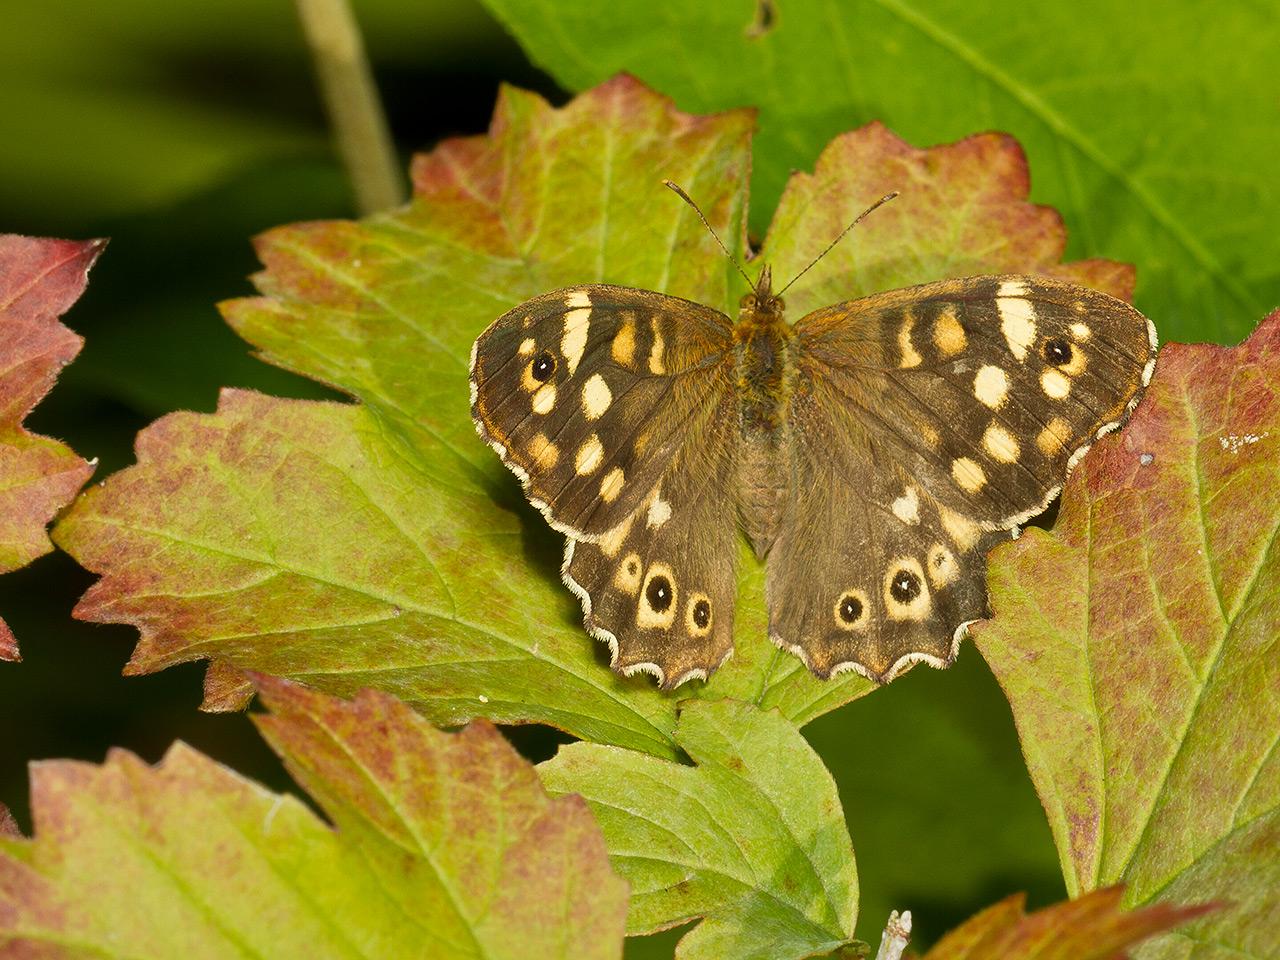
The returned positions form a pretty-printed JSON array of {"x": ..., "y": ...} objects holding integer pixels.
[
  {"x": 905, "y": 587},
  {"x": 850, "y": 609},
  {"x": 1057, "y": 351},
  {"x": 544, "y": 365}
]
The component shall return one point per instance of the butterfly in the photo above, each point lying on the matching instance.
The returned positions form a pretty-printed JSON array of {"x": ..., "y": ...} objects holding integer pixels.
[{"x": 873, "y": 451}]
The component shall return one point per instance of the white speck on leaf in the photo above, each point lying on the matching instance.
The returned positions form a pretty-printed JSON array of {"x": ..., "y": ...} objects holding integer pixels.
[
  {"x": 483, "y": 698},
  {"x": 1235, "y": 442},
  {"x": 1146, "y": 459}
]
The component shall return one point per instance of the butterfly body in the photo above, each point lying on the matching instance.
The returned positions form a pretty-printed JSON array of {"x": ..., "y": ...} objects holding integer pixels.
[
  {"x": 872, "y": 452},
  {"x": 764, "y": 358}
]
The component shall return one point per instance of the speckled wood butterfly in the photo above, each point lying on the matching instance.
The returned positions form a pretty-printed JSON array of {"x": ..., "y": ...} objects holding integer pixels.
[{"x": 873, "y": 452}]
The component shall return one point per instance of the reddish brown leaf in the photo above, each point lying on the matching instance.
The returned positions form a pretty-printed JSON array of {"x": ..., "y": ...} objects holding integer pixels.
[
  {"x": 39, "y": 281},
  {"x": 1093, "y": 927}
]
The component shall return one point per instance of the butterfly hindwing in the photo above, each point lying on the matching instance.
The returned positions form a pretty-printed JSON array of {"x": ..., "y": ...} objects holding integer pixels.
[
  {"x": 660, "y": 588},
  {"x": 924, "y": 423},
  {"x": 583, "y": 391},
  {"x": 859, "y": 578}
]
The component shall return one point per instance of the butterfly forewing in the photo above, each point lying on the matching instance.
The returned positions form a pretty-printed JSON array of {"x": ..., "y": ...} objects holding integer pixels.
[
  {"x": 924, "y": 422},
  {"x": 580, "y": 390},
  {"x": 616, "y": 408}
]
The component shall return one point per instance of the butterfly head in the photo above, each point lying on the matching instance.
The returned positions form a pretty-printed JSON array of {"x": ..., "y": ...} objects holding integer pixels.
[{"x": 762, "y": 300}]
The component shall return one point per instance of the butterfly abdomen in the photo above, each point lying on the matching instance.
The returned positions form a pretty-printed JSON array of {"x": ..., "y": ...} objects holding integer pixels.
[{"x": 765, "y": 365}]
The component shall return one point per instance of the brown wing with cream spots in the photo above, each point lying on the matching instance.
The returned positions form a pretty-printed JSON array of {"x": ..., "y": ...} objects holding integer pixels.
[
  {"x": 925, "y": 423},
  {"x": 583, "y": 393},
  {"x": 987, "y": 389},
  {"x": 659, "y": 589}
]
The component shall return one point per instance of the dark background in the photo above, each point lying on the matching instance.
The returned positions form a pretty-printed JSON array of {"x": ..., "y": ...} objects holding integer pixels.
[{"x": 179, "y": 131}]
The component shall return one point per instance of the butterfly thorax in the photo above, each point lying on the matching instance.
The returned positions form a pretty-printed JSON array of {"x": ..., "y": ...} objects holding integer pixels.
[{"x": 763, "y": 349}]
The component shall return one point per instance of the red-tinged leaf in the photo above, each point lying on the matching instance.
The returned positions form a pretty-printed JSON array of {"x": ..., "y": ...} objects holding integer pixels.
[
  {"x": 443, "y": 846},
  {"x": 1093, "y": 927},
  {"x": 1136, "y": 642},
  {"x": 962, "y": 211},
  {"x": 39, "y": 281},
  {"x": 387, "y": 546}
]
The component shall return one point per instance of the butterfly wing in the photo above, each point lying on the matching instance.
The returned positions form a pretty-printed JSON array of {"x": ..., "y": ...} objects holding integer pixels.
[
  {"x": 614, "y": 407},
  {"x": 925, "y": 424}
]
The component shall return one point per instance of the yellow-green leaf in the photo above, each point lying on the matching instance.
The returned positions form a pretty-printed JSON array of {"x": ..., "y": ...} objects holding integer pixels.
[{"x": 443, "y": 847}]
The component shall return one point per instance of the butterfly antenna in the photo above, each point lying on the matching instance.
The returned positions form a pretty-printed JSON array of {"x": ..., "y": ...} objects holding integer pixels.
[
  {"x": 679, "y": 192},
  {"x": 856, "y": 220}
]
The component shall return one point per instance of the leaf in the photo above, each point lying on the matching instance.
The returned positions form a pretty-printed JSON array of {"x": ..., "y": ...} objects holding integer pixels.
[
  {"x": 385, "y": 545},
  {"x": 39, "y": 281},
  {"x": 443, "y": 846},
  {"x": 1094, "y": 927},
  {"x": 752, "y": 838},
  {"x": 1136, "y": 643},
  {"x": 1146, "y": 139}
]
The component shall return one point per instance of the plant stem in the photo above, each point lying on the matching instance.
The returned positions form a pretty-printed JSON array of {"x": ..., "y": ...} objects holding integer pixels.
[
  {"x": 355, "y": 112},
  {"x": 897, "y": 934}
]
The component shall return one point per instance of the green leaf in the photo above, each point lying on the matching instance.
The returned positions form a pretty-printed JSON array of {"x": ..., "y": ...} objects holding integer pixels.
[
  {"x": 1094, "y": 927},
  {"x": 1146, "y": 138},
  {"x": 39, "y": 281},
  {"x": 1137, "y": 645},
  {"x": 443, "y": 846},
  {"x": 752, "y": 838},
  {"x": 385, "y": 545}
]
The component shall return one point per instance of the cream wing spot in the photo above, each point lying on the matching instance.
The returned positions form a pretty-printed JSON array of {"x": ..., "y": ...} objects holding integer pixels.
[
  {"x": 907, "y": 507},
  {"x": 659, "y": 598},
  {"x": 659, "y": 512},
  {"x": 627, "y": 577},
  {"x": 544, "y": 399},
  {"x": 963, "y": 532},
  {"x": 991, "y": 386},
  {"x": 573, "y": 343},
  {"x": 623, "y": 348},
  {"x": 906, "y": 595},
  {"x": 1080, "y": 331},
  {"x": 1000, "y": 444},
  {"x": 656, "y": 352},
  {"x": 527, "y": 346},
  {"x": 589, "y": 456},
  {"x": 612, "y": 541},
  {"x": 1055, "y": 384},
  {"x": 948, "y": 334},
  {"x": 967, "y": 474},
  {"x": 1055, "y": 436},
  {"x": 942, "y": 566},
  {"x": 611, "y": 485},
  {"x": 1017, "y": 317},
  {"x": 909, "y": 356},
  {"x": 596, "y": 397},
  {"x": 545, "y": 454}
]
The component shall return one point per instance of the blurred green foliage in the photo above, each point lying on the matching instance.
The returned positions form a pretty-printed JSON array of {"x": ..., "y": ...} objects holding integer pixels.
[
  {"x": 182, "y": 129},
  {"x": 1152, "y": 125}
]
